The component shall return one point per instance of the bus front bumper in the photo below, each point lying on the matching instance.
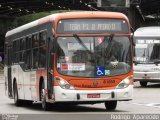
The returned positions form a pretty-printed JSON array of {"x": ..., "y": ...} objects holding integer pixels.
[{"x": 63, "y": 95}]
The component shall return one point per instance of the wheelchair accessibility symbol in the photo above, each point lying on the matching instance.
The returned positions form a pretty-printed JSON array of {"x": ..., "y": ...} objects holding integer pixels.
[{"x": 100, "y": 71}]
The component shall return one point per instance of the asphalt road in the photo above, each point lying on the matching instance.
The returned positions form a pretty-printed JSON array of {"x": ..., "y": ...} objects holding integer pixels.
[{"x": 146, "y": 101}]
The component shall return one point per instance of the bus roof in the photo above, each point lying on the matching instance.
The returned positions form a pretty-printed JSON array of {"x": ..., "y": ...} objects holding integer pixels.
[
  {"x": 67, "y": 15},
  {"x": 147, "y": 32}
]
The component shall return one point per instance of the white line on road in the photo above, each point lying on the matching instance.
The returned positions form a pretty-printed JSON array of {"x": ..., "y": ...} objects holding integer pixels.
[{"x": 156, "y": 105}]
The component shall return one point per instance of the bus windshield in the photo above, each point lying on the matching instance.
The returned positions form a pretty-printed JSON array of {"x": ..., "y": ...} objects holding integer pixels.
[
  {"x": 147, "y": 50},
  {"x": 81, "y": 56}
]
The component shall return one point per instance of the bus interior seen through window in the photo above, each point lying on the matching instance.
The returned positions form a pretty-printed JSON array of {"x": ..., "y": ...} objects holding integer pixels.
[{"x": 31, "y": 50}]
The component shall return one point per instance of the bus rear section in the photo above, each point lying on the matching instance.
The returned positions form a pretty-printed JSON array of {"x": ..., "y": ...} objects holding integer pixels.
[
  {"x": 88, "y": 60},
  {"x": 147, "y": 56}
]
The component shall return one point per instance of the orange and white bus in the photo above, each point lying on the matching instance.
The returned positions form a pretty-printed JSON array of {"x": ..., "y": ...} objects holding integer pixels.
[{"x": 74, "y": 57}]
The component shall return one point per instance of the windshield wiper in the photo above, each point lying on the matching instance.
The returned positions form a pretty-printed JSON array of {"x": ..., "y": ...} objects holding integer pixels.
[
  {"x": 144, "y": 53},
  {"x": 109, "y": 47},
  {"x": 80, "y": 41}
]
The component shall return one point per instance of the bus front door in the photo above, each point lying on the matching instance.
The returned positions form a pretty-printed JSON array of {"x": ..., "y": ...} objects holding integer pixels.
[{"x": 50, "y": 62}]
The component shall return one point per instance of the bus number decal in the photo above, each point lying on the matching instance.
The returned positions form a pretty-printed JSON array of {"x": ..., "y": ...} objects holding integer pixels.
[{"x": 111, "y": 81}]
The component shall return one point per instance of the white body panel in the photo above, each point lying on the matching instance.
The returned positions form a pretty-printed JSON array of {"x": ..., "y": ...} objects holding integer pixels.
[
  {"x": 33, "y": 81},
  {"x": 26, "y": 82},
  {"x": 20, "y": 81},
  {"x": 147, "y": 32},
  {"x": 146, "y": 72},
  {"x": 63, "y": 95}
]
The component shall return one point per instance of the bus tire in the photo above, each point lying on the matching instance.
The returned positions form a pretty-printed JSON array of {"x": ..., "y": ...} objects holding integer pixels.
[
  {"x": 143, "y": 83},
  {"x": 110, "y": 105},
  {"x": 17, "y": 101},
  {"x": 45, "y": 105}
]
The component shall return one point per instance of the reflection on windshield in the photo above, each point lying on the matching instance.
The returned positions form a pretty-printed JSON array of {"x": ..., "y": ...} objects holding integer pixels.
[
  {"x": 147, "y": 51},
  {"x": 81, "y": 56}
]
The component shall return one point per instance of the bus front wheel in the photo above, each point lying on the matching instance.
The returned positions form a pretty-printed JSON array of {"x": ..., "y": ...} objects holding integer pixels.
[
  {"x": 143, "y": 83},
  {"x": 17, "y": 101},
  {"x": 110, "y": 105}
]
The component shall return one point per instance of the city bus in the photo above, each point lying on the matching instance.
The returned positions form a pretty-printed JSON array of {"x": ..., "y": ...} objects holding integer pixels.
[
  {"x": 147, "y": 55},
  {"x": 73, "y": 57}
]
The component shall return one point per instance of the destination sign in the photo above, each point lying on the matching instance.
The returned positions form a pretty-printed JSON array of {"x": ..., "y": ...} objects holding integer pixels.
[
  {"x": 71, "y": 26},
  {"x": 147, "y": 41}
]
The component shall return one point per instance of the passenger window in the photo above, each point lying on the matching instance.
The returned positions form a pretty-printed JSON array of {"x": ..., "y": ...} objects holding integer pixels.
[
  {"x": 20, "y": 57},
  {"x": 14, "y": 46},
  {"x": 28, "y": 42},
  {"x": 17, "y": 45},
  {"x": 16, "y": 49},
  {"x": 22, "y": 44},
  {"x": 17, "y": 57},
  {"x": 35, "y": 58},
  {"x": 43, "y": 37},
  {"x": 42, "y": 57},
  {"x": 35, "y": 40},
  {"x": 24, "y": 56},
  {"x": 28, "y": 59}
]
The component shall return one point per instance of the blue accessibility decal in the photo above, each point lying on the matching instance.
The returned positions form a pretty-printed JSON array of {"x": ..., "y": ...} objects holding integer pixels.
[{"x": 100, "y": 71}]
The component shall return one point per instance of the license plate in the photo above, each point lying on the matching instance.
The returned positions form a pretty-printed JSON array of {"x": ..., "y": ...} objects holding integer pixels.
[
  {"x": 93, "y": 95},
  {"x": 146, "y": 77}
]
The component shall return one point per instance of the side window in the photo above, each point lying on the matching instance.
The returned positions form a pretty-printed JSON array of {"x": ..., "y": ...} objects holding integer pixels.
[
  {"x": 16, "y": 57},
  {"x": 43, "y": 37},
  {"x": 16, "y": 49},
  {"x": 28, "y": 42},
  {"x": 24, "y": 57},
  {"x": 22, "y": 48},
  {"x": 35, "y": 58},
  {"x": 27, "y": 54},
  {"x": 14, "y": 46},
  {"x": 20, "y": 56},
  {"x": 35, "y": 50},
  {"x": 28, "y": 59},
  {"x": 22, "y": 44},
  {"x": 9, "y": 55},
  {"x": 17, "y": 45},
  {"x": 42, "y": 49},
  {"x": 35, "y": 40},
  {"x": 42, "y": 57}
]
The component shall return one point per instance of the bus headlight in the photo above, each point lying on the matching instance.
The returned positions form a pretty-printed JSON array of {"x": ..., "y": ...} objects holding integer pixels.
[
  {"x": 125, "y": 83},
  {"x": 63, "y": 83}
]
